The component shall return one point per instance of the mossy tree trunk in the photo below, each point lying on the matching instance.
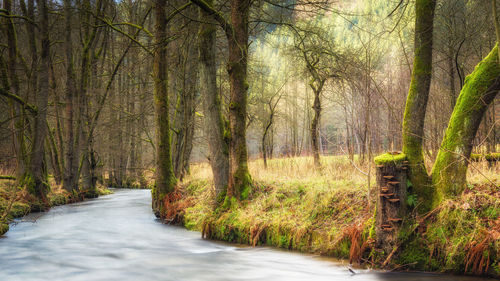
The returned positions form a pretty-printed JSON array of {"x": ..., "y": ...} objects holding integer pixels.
[
  {"x": 416, "y": 102},
  {"x": 165, "y": 179},
  {"x": 239, "y": 179},
  {"x": 36, "y": 176},
  {"x": 214, "y": 120},
  {"x": 479, "y": 91}
]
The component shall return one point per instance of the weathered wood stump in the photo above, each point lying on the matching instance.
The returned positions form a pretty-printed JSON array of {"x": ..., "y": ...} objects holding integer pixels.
[{"x": 391, "y": 200}]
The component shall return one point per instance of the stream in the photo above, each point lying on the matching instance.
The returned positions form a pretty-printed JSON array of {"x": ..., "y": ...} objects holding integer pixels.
[{"x": 116, "y": 237}]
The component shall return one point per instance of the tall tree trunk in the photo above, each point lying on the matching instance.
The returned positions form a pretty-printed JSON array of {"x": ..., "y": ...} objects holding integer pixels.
[
  {"x": 416, "y": 103},
  {"x": 480, "y": 88},
  {"x": 239, "y": 184},
  {"x": 36, "y": 178},
  {"x": 30, "y": 29},
  {"x": 70, "y": 181},
  {"x": 17, "y": 113},
  {"x": 214, "y": 120},
  {"x": 165, "y": 179}
]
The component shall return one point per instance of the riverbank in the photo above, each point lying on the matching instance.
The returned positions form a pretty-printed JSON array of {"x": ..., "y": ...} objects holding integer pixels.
[
  {"x": 16, "y": 202},
  {"x": 329, "y": 212}
]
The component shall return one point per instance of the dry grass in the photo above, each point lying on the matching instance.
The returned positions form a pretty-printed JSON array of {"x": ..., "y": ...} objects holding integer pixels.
[{"x": 333, "y": 169}]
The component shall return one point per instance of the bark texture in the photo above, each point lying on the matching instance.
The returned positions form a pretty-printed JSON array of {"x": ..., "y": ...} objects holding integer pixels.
[
  {"x": 239, "y": 184},
  {"x": 214, "y": 120},
  {"x": 165, "y": 179},
  {"x": 36, "y": 177},
  {"x": 70, "y": 182},
  {"x": 416, "y": 102}
]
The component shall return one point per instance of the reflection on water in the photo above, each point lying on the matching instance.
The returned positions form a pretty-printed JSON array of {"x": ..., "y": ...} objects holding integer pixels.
[{"x": 117, "y": 238}]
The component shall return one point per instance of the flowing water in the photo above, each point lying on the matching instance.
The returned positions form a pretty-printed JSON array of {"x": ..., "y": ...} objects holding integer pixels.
[{"x": 116, "y": 237}]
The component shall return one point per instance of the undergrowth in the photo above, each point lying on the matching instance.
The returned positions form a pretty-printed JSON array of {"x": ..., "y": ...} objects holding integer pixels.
[{"x": 330, "y": 212}]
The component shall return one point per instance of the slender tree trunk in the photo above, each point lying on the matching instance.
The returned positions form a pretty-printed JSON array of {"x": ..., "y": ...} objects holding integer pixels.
[
  {"x": 165, "y": 179},
  {"x": 480, "y": 89},
  {"x": 416, "y": 103},
  {"x": 214, "y": 120},
  {"x": 59, "y": 144},
  {"x": 56, "y": 166},
  {"x": 263, "y": 146},
  {"x": 295, "y": 123},
  {"x": 451, "y": 73},
  {"x": 239, "y": 184},
  {"x": 314, "y": 128}
]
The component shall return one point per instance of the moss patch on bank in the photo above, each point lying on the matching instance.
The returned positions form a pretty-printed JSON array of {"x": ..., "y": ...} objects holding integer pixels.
[
  {"x": 16, "y": 202},
  {"x": 460, "y": 235}
]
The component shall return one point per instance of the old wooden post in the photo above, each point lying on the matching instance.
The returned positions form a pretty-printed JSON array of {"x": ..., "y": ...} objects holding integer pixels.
[{"x": 391, "y": 199}]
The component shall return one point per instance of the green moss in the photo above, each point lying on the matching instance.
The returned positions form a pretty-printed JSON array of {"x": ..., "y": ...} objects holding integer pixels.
[
  {"x": 487, "y": 157},
  {"x": 57, "y": 199},
  {"x": 415, "y": 254},
  {"x": 19, "y": 209},
  {"x": 3, "y": 228},
  {"x": 106, "y": 191},
  {"x": 389, "y": 158}
]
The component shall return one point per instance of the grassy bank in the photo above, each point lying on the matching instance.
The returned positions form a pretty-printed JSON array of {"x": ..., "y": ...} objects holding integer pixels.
[
  {"x": 16, "y": 202},
  {"x": 329, "y": 212}
]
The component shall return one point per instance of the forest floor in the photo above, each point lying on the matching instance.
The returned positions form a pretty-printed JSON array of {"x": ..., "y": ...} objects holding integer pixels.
[
  {"x": 330, "y": 212},
  {"x": 16, "y": 202}
]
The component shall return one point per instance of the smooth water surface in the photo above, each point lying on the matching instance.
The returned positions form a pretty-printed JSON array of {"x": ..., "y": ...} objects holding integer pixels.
[{"x": 116, "y": 237}]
